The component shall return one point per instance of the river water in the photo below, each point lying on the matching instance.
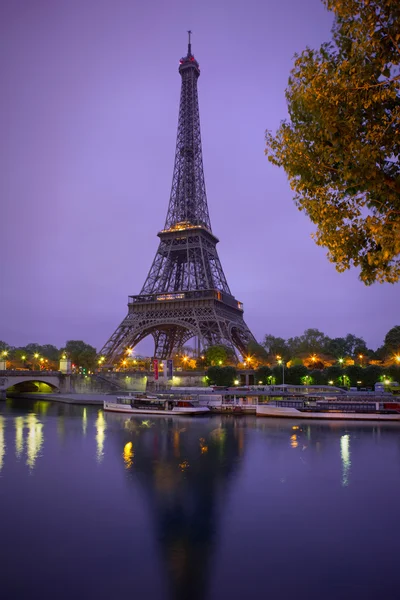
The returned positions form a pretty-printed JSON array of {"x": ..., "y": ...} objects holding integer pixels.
[{"x": 96, "y": 505}]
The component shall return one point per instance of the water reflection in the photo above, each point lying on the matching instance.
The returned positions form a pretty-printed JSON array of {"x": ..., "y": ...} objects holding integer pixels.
[
  {"x": 84, "y": 420},
  {"x": 191, "y": 497},
  {"x": 2, "y": 442},
  {"x": 19, "y": 436},
  {"x": 128, "y": 455},
  {"x": 34, "y": 440},
  {"x": 100, "y": 435},
  {"x": 184, "y": 466},
  {"x": 345, "y": 456}
]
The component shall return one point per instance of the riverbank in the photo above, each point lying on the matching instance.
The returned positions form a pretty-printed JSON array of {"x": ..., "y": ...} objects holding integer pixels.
[{"x": 92, "y": 399}]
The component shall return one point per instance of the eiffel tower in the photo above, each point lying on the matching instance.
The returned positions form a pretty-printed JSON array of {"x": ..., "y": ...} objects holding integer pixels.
[{"x": 186, "y": 293}]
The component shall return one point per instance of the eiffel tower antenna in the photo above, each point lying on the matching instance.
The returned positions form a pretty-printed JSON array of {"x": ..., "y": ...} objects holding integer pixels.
[{"x": 186, "y": 293}]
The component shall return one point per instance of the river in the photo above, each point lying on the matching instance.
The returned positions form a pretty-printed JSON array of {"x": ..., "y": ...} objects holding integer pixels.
[{"x": 109, "y": 506}]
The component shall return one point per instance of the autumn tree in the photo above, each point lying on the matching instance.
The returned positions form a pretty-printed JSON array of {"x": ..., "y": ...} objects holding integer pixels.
[{"x": 341, "y": 146}]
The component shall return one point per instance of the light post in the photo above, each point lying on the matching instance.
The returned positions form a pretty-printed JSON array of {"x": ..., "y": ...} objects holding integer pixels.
[
  {"x": 4, "y": 355},
  {"x": 361, "y": 356},
  {"x": 36, "y": 355},
  {"x": 280, "y": 362}
]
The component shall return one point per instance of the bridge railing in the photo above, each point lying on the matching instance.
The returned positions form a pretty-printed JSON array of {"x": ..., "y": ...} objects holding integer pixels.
[{"x": 13, "y": 372}]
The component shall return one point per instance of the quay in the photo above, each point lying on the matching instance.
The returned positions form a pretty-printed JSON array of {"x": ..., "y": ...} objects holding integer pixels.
[{"x": 274, "y": 401}]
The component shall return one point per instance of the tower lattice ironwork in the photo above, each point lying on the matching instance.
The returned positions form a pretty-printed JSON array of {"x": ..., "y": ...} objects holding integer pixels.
[{"x": 186, "y": 293}]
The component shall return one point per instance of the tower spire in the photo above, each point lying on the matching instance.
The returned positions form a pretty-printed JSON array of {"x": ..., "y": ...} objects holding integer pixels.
[{"x": 189, "y": 43}]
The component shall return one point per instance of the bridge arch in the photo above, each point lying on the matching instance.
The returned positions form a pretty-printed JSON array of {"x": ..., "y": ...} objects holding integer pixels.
[
  {"x": 12, "y": 381},
  {"x": 33, "y": 386}
]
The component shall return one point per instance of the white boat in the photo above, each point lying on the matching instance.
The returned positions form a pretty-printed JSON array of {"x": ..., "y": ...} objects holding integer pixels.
[
  {"x": 328, "y": 408},
  {"x": 145, "y": 404}
]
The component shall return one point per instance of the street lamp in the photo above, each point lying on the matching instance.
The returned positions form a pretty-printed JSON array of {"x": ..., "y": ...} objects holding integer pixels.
[
  {"x": 4, "y": 356},
  {"x": 280, "y": 362},
  {"x": 361, "y": 356}
]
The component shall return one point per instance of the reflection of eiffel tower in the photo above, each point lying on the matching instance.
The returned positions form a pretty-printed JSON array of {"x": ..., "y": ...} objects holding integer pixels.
[
  {"x": 186, "y": 293},
  {"x": 184, "y": 481}
]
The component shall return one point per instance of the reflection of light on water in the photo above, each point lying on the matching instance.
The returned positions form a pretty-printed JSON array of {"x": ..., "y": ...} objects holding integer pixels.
[
  {"x": 176, "y": 442},
  {"x": 19, "y": 436},
  {"x": 128, "y": 455},
  {"x": 2, "y": 442},
  {"x": 84, "y": 421},
  {"x": 203, "y": 446},
  {"x": 345, "y": 455},
  {"x": 34, "y": 440},
  {"x": 293, "y": 441},
  {"x": 100, "y": 435}
]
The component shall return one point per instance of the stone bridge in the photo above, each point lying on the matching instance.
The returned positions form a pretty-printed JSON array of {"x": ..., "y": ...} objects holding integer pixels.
[
  {"x": 48, "y": 382},
  {"x": 18, "y": 380}
]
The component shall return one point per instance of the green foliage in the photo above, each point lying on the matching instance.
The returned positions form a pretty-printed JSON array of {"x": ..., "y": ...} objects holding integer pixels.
[
  {"x": 335, "y": 374},
  {"x": 355, "y": 373},
  {"x": 81, "y": 354},
  {"x": 295, "y": 374},
  {"x": 394, "y": 373},
  {"x": 221, "y": 376},
  {"x": 275, "y": 346},
  {"x": 350, "y": 345},
  {"x": 392, "y": 341},
  {"x": 277, "y": 374},
  {"x": 319, "y": 377},
  {"x": 371, "y": 375},
  {"x": 263, "y": 374},
  {"x": 216, "y": 355},
  {"x": 4, "y": 346},
  {"x": 312, "y": 341},
  {"x": 340, "y": 148},
  {"x": 257, "y": 350}
]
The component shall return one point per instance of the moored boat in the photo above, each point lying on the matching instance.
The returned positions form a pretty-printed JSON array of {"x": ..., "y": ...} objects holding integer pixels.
[
  {"x": 332, "y": 408},
  {"x": 146, "y": 404}
]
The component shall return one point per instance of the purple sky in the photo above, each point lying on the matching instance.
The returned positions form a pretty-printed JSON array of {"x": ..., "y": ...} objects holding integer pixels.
[{"x": 88, "y": 115}]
